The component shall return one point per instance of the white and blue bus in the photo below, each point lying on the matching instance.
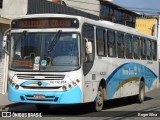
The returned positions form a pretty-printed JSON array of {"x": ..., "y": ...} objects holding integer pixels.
[{"x": 64, "y": 59}]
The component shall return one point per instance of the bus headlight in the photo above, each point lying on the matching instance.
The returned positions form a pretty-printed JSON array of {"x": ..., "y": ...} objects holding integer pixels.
[
  {"x": 13, "y": 84},
  {"x": 16, "y": 86},
  {"x": 69, "y": 86},
  {"x": 64, "y": 88}
]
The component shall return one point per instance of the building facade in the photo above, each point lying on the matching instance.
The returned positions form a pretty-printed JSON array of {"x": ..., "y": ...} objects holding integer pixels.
[
  {"x": 147, "y": 26},
  {"x": 9, "y": 9}
]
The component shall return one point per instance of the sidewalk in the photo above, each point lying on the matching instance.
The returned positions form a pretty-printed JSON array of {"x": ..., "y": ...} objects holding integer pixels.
[{"x": 4, "y": 100}]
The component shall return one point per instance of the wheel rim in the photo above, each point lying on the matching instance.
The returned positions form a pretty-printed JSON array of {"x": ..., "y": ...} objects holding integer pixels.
[
  {"x": 99, "y": 102},
  {"x": 142, "y": 93}
]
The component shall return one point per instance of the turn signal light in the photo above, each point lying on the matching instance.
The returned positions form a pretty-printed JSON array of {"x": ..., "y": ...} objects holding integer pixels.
[{"x": 77, "y": 80}]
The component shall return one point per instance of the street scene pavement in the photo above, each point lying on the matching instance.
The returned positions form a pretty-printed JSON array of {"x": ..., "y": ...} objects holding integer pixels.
[
  {"x": 125, "y": 108},
  {"x": 4, "y": 100}
]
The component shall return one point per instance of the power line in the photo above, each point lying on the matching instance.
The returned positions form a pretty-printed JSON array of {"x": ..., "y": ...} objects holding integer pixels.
[
  {"x": 152, "y": 9},
  {"x": 145, "y": 10}
]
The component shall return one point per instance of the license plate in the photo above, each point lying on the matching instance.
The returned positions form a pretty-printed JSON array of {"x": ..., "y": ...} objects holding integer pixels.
[{"x": 38, "y": 96}]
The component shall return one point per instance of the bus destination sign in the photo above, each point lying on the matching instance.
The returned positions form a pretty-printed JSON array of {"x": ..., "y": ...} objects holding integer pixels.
[{"x": 33, "y": 23}]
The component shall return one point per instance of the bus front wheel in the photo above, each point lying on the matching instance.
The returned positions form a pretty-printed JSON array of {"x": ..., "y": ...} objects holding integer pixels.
[
  {"x": 98, "y": 104},
  {"x": 141, "y": 95}
]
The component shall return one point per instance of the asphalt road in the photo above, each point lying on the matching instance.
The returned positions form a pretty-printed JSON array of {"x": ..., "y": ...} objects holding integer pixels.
[{"x": 125, "y": 108}]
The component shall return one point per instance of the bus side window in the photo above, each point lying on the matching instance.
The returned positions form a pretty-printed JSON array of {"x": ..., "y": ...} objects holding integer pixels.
[
  {"x": 154, "y": 50},
  {"x": 136, "y": 47},
  {"x": 143, "y": 48},
  {"x": 88, "y": 36},
  {"x": 128, "y": 46},
  {"x": 148, "y": 44},
  {"x": 100, "y": 33},
  {"x": 111, "y": 43},
  {"x": 120, "y": 45}
]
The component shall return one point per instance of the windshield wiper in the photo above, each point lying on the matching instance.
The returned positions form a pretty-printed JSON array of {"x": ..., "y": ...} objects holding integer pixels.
[
  {"x": 24, "y": 33},
  {"x": 54, "y": 41}
]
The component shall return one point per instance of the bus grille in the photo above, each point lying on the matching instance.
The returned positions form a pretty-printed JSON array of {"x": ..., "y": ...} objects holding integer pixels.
[{"x": 40, "y": 76}]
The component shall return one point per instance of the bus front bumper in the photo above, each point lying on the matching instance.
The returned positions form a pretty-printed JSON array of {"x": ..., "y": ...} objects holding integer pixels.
[{"x": 72, "y": 96}]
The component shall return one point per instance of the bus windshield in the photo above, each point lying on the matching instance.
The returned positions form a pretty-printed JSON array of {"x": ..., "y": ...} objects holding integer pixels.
[{"x": 30, "y": 51}]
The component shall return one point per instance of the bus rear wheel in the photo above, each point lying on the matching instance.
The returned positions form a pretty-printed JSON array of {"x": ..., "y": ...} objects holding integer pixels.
[
  {"x": 141, "y": 95},
  {"x": 42, "y": 107},
  {"x": 98, "y": 104}
]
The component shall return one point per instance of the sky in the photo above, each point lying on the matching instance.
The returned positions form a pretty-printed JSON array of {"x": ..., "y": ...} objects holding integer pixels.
[{"x": 143, "y": 6}]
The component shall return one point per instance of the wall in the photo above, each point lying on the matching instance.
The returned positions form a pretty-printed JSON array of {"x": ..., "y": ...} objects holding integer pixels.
[
  {"x": 13, "y": 8},
  {"x": 147, "y": 26},
  {"x": 9, "y": 10},
  {"x": 3, "y": 28}
]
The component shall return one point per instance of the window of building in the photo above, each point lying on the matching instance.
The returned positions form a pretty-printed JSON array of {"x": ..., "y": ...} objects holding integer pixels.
[
  {"x": 154, "y": 50},
  {"x": 143, "y": 48},
  {"x": 128, "y": 43},
  {"x": 120, "y": 45},
  {"x": 104, "y": 11},
  {"x": 100, "y": 42},
  {"x": 118, "y": 16},
  {"x": 149, "y": 51},
  {"x": 111, "y": 11},
  {"x": 1, "y": 3},
  {"x": 111, "y": 43},
  {"x": 129, "y": 20},
  {"x": 136, "y": 47}
]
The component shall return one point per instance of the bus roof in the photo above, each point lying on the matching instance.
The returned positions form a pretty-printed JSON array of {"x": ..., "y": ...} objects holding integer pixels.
[{"x": 100, "y": 23}]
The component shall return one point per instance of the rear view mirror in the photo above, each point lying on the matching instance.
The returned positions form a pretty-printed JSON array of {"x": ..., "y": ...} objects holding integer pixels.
[
  {"x": 6, "y": 37},
  {"x": 4, "y": 41},
  {"x": 88, "y": 50},
  {"x": 88, "y": 47}
]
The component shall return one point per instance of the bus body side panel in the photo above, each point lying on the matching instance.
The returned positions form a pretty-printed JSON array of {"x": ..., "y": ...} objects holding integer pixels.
[
  {"x": 126, "y": 78},
  {"x": 122, "y": 77}
]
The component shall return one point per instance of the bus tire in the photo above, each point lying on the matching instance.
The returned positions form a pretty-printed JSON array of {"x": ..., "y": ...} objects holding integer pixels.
[
  {"x": 98, "y": 104},
  {"x": 141, "y": 95},
  {"x": 42, "y": 107}
]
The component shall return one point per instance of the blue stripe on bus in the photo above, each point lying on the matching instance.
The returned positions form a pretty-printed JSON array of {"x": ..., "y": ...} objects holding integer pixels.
[
  {"x": 72, "y": 96},
  {"x": 128, "y": 72},
  {"x": 43, "y": 84}
]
